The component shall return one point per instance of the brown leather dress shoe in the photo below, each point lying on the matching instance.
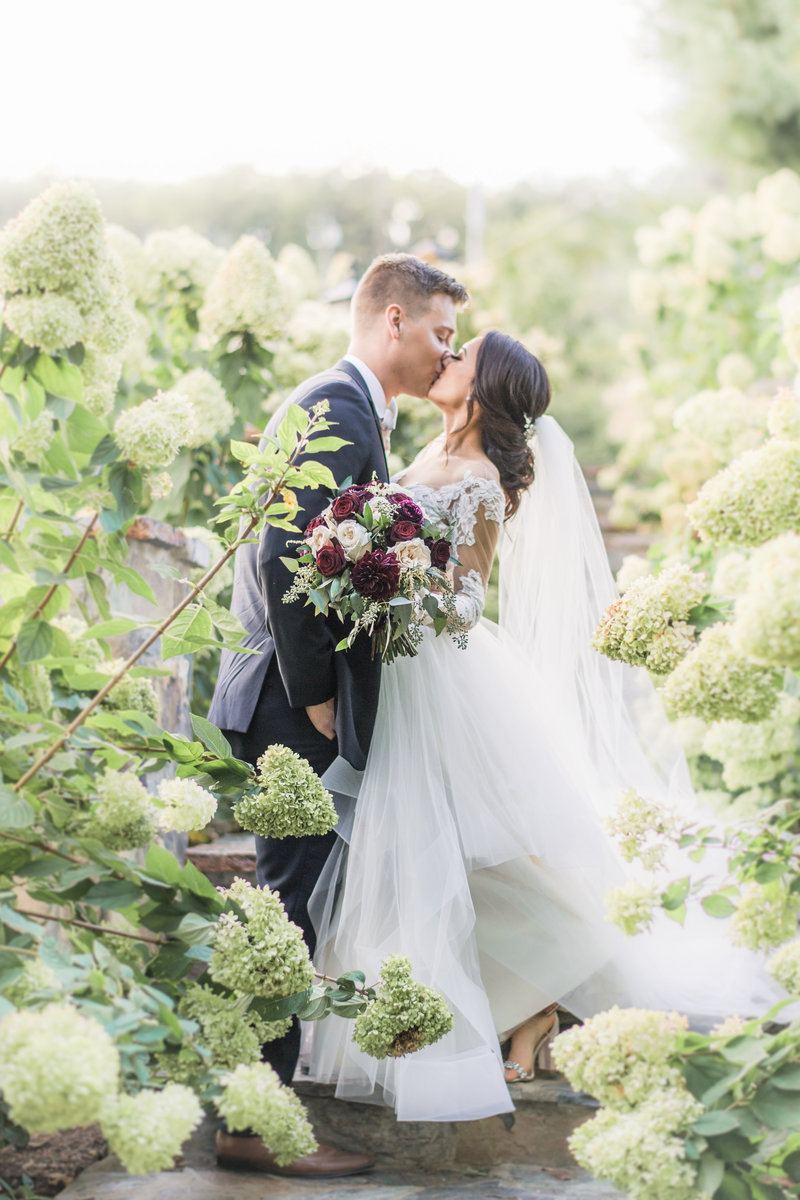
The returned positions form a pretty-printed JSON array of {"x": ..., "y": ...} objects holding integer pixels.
[{"x": 237, "y": 1152}]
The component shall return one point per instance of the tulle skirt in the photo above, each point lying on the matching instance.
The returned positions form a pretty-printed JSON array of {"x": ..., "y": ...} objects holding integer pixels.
[{"x": 476, "y": 848}]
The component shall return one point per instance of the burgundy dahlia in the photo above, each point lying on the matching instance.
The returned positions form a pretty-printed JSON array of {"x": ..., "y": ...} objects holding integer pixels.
[
  {"x": 401, "y": 531},
  {"x": 331, "y": 558},
  {"x": 313, "y": 523},
  {"x": 440, "y": 552},
  {"x": 376, "y": 575},
  {"x": 405, "y": 509}
]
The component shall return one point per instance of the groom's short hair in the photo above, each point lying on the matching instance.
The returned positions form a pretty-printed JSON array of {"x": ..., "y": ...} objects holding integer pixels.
[{"x": 405, "y": 280}]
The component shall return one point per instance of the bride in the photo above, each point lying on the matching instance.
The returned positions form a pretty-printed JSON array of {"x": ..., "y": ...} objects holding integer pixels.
[{"x": 477, "y": 845}]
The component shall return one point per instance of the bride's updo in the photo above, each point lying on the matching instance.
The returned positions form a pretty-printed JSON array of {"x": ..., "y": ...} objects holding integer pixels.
[{"x": 512, "y": 388}]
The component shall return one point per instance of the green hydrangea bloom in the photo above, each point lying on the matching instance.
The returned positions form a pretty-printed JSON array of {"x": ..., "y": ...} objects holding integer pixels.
[
  {"x": 767, "y": 625},
  {"x": 253, "y": 1098},
  {"x": 34, "y": 440},
  {"x": 290, "y": 799},
  {"x": 212, "y": 413},
  {"x": 783, "y": 419},
  {"x": 135, "y": 694},
  {"x": 147, "y": 1130},
  {"x": 640, "y": 1152},
  {"x": 179, "y": 265},
  {"x": 101, "y": 374},
  {"x": 245, "y": 295},
  {"x": 186, "y": 805},
  {"x": 649, "y": 625},
  {"x": 50, "y": 322},
  {"x": 717, "y": 682},
  {"x": 404, "y": 1017},
  {"x": 59, "y": 1069},
  {"x": 727, "y": 420},
  {"x": 754, "y": 752},
  {"x": 36, "y": 977},
  {"x": 753, "y": 499},
  {"x": 622, "y": 1055},
  {"x": 230, "y": 1035},
  {"x": 641, "y": 828},
  {"x": 264, "y": 956},
  {"x": 151, "y": 433}
]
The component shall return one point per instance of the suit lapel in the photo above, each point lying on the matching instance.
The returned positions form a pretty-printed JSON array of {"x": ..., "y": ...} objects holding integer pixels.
[{"x": 358, "y": 379}]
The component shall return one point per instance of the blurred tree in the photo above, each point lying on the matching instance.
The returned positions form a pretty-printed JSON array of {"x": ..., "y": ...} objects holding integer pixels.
[{"x": 738, "y": 67}]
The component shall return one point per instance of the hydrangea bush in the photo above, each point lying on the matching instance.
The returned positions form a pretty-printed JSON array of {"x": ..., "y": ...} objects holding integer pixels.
[{"x": 157, "y": 990}]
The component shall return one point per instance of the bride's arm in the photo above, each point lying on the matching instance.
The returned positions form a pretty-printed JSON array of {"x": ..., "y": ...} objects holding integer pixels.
[{"x": 477, "y": 529}]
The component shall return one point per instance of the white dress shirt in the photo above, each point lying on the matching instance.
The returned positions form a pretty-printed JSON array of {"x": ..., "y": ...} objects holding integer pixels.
[{"x": 387, "y": 413}]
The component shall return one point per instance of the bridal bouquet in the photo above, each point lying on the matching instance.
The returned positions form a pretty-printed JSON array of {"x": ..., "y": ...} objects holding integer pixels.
[{"x": 375, "y": 558}]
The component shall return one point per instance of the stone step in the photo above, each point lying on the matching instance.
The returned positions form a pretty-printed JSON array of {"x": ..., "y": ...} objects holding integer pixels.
[
  {"x": 225, "y": 858},
  {"x": 546, "y": 1113}
]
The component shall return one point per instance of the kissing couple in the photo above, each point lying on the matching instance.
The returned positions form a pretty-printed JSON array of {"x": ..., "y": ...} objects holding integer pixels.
[{"x": 471, "y": 784}]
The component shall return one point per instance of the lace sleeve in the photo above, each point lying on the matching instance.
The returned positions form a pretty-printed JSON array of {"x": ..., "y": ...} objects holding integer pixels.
[{"x": 478, "y": 515}]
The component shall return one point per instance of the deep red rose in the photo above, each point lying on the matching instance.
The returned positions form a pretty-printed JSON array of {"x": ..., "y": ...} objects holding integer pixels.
[
  {"x": 376, "y": 575},
  {"x": 313, "y": 523},
  {"x": 331, "y": 559},
  {"x": 406, "y": 509},
  {"x": 346, "y": 505},
  {"x": 401, "y": 531},
  {"x": 440, "y": 552}
]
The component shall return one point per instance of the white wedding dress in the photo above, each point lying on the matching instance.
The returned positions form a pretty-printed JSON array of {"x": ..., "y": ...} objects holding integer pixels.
[{"x": 476, "y": 848}]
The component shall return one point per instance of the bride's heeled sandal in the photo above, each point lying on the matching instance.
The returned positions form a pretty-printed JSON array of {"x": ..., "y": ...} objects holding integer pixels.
[{"x": 541, "y": 1051}]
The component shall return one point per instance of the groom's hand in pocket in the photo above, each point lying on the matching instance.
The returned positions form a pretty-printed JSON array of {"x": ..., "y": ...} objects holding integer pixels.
[{"x": 321, "y": 717}]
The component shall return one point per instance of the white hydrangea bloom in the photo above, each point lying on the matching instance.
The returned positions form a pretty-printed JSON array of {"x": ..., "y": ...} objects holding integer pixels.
[
  {"x": 151, "y": 433},
  {"x": 298, "y": 274},
  {"x": 641, "y": 828},
  {"x": 58, "y": 1068},
  {"x": 754, "y": 752},
  {"x": 781, "y": 242},
  {"x": 34, "y": 440},
  {"x": 731, "y": 1027},
  {"x": 767, "y": 625},
  {"x": 147, "y": 1130},
  {"x": 713, "y": 257},
  {"x": 245, "y": 294},
  {"x": 783, "y": 416},
  {"x": 690, "y": 732},
  {"x": 765, "y": 917},
  {"x": 622, "y": 1055},
  {"x": 160, "y": 485},
  {"x": 754, "y": 498},
  {"x": 253, "y": 1098},
  {"x": 131, "y": 253},
  {"x": 716, "y": 682},
  {"x": 124, "y": 816},
  {"x": 50, "y": 322},
  {"x": 266, "y": 955},
  {"x": 778, "y": 194},
  {"x": 101, "y": 375},
  {"x": 180, "y": 265},
  {"x": 631, "y": 906},
  {"x": 36, "y": 977},
  {"x": 212, "y": 414},
  {"x": 736, "y": 371},
  {"x": 186, "y": 805},
  {"x": 645, "y": 292},
  {"x": 727, "y": 420},
  {"x": 784, "y": 967},
  {"x": 62, "y": 281},
  {"x": 731, "y": 574},
  {"x": 634, "y": 566}
]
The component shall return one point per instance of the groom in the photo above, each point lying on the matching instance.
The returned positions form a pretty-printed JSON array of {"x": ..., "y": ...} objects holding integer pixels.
[{"x": 298, "y": 690}]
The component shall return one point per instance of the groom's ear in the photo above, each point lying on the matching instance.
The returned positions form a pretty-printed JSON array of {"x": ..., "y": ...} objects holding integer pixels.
[{"x": 394, "y": 317}]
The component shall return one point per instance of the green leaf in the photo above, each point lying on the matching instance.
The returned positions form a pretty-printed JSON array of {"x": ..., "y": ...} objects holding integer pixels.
[
  {"x": 281, "y": 1007},
  {"x": 788, "y": 1078},
  {"x": 191, "y": 630},
  {"x": 733, "y": 1187},
  {"x": 356, "y": 976},
  {"x": 113, "y": 893},
  {"x": 745, "y": 1050},
  {"x": 34, "y": 641},
  {"x": 714, "y": 1122},
  {"x": 791, "y": 1166},
  {"x": 779, "y": 1110},
  {"x": 211, "y": 737},
  {"x": 324, "y": 444},
  {"x": 126, "y": 485},
  {"x": 163, "y": 866},
  {"x": 106, "y": 451},
  {"x": 709, "y": 1175},
  {"x": 765, "y": 872},
  {"x": 195, "y": 930},
  {"x": 675, "y": 894},
  {"x": 15, "y": 811},
  {"x": 58, "y": 377},
  {"x": 110, "y": 628},
  {"x": 717, "y": 905},
  {"x": 315, "y": 1009}
]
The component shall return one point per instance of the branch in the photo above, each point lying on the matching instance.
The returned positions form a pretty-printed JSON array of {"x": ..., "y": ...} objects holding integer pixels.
[
  {"x": 136, "y": 937},
  {"x": 40, "y": 607},
  {"x": 134, "y": 658},
  {"x": 10, "y": 837},
  {"x": 362, "y": 991},
  {"x": 16, "y": 516}
]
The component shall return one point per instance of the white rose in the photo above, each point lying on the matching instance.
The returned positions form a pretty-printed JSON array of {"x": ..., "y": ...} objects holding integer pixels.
[
  {"x": 355, "y": 539},
  {"x": 413, "y": 554},
  {"x": 319, "y": 537}
]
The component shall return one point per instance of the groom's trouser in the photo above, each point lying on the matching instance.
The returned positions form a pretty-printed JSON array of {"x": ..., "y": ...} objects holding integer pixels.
[{"x": 289, "y": 865}]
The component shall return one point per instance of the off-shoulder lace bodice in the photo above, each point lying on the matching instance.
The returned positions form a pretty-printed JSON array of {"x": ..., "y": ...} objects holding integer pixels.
[{"x": 475, "y": 506}]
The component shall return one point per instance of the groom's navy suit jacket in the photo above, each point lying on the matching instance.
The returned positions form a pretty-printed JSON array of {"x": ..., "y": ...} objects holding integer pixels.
[{"x": 302, "y": 641}]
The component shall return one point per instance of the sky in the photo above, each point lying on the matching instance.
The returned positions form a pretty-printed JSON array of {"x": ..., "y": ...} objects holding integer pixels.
[{"x": 489, "y": 92}]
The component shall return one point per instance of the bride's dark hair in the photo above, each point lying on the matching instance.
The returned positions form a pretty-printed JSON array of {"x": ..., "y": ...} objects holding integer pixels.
[{"x": 512, "y": 388}]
